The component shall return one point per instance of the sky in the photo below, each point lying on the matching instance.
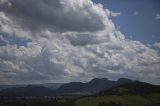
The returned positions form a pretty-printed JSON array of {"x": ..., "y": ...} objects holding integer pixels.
[
  {"x": 139, "y": 19},
  {"x": 48, "y": 41}
]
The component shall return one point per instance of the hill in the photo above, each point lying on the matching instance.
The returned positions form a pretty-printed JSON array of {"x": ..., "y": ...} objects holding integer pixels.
[
  {"x": 131, "y": 94},
  {"x": 134, "y": 88}
]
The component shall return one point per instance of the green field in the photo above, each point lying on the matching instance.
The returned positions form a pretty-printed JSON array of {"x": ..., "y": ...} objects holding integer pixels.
[{"x": 124, "y": 100}]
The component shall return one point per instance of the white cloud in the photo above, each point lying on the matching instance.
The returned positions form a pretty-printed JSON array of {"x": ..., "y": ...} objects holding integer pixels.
[
  {"x": 83, "y": 43},
  {"x": 63, "y": 15},
  {"x": 11, "y": 26},
  {"x": 135, "y": 13},
  {"x": 157, "y": 44},
  {"x": 116, "y": 14},
  {"x": 5, "y": 2},
  {"x": 157, "y": 17}
]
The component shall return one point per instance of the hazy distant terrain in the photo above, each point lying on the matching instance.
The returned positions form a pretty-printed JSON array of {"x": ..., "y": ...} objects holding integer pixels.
[{"x": 47, "y": 85}]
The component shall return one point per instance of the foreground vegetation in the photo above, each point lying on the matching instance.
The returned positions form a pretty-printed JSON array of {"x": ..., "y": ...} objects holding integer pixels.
[
  {"x": 38, "y": 103},
  {"x": 107, "y": 100},
  {"x": 120, "y": 100}
]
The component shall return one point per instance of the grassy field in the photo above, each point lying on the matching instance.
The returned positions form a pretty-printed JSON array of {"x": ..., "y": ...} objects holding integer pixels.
[{"x": 124, "y": 100}]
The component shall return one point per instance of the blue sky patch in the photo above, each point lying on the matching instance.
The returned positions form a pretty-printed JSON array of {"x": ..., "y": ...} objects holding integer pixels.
[
  {"x": 138, "y": 20},
  {"x": 6, "y": 38}
]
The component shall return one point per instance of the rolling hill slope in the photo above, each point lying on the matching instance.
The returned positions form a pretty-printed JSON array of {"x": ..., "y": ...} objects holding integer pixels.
[
  {"x": 134, "y": 88},
  {"x": 131, "y": 94}
]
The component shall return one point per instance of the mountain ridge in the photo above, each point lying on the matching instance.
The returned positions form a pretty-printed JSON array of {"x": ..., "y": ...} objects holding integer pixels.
[
  {"x": 73, "y": 88},
  {"x": 91, "y": 87}
]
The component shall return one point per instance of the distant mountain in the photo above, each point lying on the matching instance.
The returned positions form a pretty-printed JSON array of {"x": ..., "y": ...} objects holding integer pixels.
[
  {"x": 94, "y": 86},
  {"x": 10, "y": 86},
  {"x": 52, "y": 86},
  {"x": 133, "y": 88},
  {"x": 30, "y": 90}
]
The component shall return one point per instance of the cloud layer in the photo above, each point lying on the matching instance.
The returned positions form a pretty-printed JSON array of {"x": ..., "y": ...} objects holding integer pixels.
[{"x": 69, "y": 40}]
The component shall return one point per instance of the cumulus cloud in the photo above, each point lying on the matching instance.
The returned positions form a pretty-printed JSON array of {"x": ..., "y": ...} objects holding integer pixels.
[
  {"x": 70, "y": 40},
  {"x": 157, "y": 44},
  {"x": 63, "y": 15}
]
